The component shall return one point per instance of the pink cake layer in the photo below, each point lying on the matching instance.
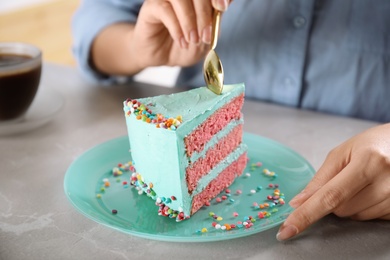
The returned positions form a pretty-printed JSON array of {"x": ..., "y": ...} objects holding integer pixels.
[
  {"x": 195, "y": 141},
  {"x": 213, "y": 156},
  {"x": 223, "y": 180}
]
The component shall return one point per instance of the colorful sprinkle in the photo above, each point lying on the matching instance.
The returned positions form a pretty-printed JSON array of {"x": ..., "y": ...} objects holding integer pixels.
[
  {"x": 227, "y": 226},
  {"x": 143, "y": 112},
  {"x": 264, "y": 210}
]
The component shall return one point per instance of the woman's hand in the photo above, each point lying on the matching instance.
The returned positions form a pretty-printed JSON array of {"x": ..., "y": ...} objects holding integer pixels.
[
  {"x": 176, "y": 32},
  {"x": 167, "y": 32},
  {"x": 354, "y": 182}
]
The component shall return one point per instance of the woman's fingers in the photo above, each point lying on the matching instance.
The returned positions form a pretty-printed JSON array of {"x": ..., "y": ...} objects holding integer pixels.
[
  {"x": 380, "y": 210},
  {"x": 365, "y": 204},
  {"x": 221, "y": 5},
  {"x": 322, "y": 202},
  {"x": 188, "y": 21},
  {"x": 354, "y": 181},
  {"x": 195, "y": 17},
  {"x": 172, "y": 32},
  {"x": 187, "y": 17},
  {"x": 204, "y": 12},
  {"x": 150, "y": 26},
  {"x": 333, "y": 164},
  {"x": 385, "y": 217},
  {"x": 171, "y": 22}
]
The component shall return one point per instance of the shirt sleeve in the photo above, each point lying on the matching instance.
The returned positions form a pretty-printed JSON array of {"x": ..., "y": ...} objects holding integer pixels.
[{"x": 90, "y": 19}]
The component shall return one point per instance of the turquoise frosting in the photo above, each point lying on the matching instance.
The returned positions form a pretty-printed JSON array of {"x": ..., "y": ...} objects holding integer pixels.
[
  {"x": 159, "y": 154},
  {"x": 193, "y": 103}
]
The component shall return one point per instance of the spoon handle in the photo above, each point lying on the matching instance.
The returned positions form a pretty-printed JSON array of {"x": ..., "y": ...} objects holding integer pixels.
[{"x": 215, "y": 28}]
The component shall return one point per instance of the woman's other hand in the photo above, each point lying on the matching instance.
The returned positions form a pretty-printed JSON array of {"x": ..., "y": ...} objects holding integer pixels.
[{"x": 353, "y": 182}]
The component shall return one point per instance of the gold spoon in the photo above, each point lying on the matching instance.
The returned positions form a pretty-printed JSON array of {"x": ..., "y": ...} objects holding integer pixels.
[{"x": 212, "y": 66}]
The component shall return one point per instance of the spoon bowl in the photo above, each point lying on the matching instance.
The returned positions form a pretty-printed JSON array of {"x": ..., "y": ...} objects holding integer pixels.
[
  {"x": 213, "y": 72},
  {"x": 212, "y": 66}
]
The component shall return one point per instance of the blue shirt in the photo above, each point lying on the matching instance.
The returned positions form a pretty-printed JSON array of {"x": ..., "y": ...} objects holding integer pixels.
[{"x": 330, "y": 56}]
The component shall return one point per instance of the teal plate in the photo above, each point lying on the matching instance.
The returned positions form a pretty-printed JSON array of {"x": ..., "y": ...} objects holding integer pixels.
[{"x": 137, "y": 214}]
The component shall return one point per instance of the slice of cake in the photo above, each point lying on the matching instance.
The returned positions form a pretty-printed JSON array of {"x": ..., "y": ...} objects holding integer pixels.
[{"x": 187, "y": 147}]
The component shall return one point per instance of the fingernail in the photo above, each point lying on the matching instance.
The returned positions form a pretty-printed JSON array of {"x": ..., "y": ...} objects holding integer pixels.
[
  {"x": 183, "y": 43},
  {"x": 206, "y": 34},
  {"x": 194, "y": 36},
  {"x": 286, "y": 232},
  {"x": 221, "y": 5}
]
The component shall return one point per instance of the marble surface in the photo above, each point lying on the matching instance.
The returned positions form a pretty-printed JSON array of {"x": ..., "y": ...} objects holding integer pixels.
[{"x": 38, "y": 222}]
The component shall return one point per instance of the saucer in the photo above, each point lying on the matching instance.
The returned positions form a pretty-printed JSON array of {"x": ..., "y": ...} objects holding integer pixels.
[{"x": 45, "y": 106}]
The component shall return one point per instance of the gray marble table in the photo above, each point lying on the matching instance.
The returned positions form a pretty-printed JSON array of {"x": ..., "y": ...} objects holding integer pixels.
[{"x": 38, "y": 222}]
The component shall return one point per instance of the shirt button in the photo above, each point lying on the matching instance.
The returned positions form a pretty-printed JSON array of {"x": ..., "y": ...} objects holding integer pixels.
[{"x": 299, "y": 21}]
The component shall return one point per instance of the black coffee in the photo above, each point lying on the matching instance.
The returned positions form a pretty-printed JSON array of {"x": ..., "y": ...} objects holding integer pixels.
[{"x": 17, "y": 88}]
